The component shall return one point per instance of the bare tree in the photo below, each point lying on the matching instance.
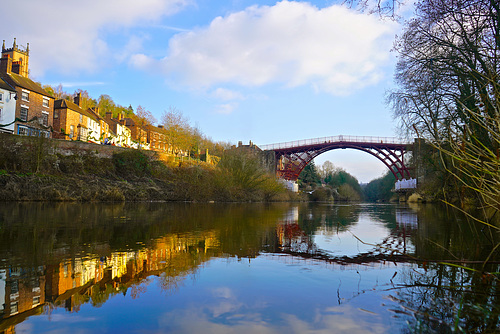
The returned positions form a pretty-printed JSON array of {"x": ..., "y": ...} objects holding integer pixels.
[
  {"x": 142, "y": 119},
  {"x": 448, "y": 60},
  {"x": 449, "y": 90},
  {"x": 179, "y": 137}
]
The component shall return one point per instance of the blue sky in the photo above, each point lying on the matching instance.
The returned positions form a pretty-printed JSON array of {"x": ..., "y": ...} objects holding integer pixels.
[{"x": 263, "y": 71}]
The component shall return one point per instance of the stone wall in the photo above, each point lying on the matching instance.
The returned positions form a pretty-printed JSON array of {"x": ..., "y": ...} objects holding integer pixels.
[{"x": 68, "y": 147}]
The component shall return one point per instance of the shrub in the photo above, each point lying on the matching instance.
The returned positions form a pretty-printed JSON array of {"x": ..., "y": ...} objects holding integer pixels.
[{"x": 132, "y": 163}]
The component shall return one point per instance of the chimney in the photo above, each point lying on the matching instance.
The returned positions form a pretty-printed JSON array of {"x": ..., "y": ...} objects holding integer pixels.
[
  {"x": 120, "y": 116},
  {"x": 78, "y": 99},
  {"x": 109, "y": 115},
  {"x": 6, "y": 64}
]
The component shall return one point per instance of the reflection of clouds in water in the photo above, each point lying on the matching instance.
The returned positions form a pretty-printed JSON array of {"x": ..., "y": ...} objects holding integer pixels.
[
  {"x": 226, "y": 303},
  {"x": 66, "y": 323},
  {"x": 337, "y": 319},
  {"x": 356, "y": 239},
  {"x": 223, "y": 292},
  {"x": 69, "y": 318}
]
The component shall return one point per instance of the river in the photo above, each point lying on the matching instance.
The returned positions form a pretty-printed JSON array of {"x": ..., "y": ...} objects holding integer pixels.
[{"x": 245, "y": 268}]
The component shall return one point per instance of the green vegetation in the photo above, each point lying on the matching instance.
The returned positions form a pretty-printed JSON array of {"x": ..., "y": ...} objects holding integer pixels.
[
  {"x": 32, "y": 171},
  {"x": 329, "y": 183},
  {"x": 380, "y": 189}
]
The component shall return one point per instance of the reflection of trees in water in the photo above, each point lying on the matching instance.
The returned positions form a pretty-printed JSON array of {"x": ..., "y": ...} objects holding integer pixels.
[
  {"x": 296, "y": 234},
  {"x": 40, "y": 232},
  {"x": 443, "y": 235},
  {"x": 90, "y": 252},
  {"x": 446, "y": 298},
  {"x": 335, "y": 218}
]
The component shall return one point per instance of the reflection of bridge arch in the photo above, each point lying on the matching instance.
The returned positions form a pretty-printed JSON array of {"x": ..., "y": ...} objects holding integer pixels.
[
  {"x": 292, "y": 240},
  {"x": 292, "y": 157}
]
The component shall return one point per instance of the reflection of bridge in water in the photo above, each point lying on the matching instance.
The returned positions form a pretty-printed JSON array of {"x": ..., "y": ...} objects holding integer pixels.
[
  {"x": 393, "y": 248},
  {"x": 72, "y": 281}
]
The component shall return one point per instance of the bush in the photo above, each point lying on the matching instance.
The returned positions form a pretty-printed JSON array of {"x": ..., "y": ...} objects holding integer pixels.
[{"x": 132, "y": 163}]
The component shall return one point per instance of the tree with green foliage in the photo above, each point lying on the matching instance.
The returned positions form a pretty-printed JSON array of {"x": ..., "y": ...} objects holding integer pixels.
[
  {"x": 309, "y": 178},
  {"x": 86, "y": 101},
  {"x": 106, "y": 104},
  {"x": 380, "y": 189}
]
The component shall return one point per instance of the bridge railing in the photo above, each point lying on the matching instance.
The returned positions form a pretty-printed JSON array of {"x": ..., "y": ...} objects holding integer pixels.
[{"x": 334, "y": 139}]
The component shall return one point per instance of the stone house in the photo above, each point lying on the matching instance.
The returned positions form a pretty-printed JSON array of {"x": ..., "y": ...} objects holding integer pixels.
[{"x": 34, "y": 107}]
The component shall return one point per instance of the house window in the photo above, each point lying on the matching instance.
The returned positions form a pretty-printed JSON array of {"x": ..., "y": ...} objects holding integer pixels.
[
  {"x": 45, "y": 102},
  {"x": 25, "y": 96},
  {"x": 71, "y": 131},
  {"x": 23, "y": 131},
  {"x": 45, "y": 119},
  {"x": 1, "y": 113},
  {"x": 1, "y": 96},
  {"x": 81, "y": 118},
  {"x": 56, "y": 113},
  {"x": 13, "y": 308},
  {"x": 36, "y": 301},
  {"x": 82, "y": 133},
  {"x": 14, "y": 287},
  {"x": 35, "y": 132},
  {"x": 24, "y": 114}
]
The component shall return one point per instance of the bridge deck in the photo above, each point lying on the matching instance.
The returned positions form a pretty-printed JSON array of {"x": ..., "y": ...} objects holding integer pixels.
[{"x": 333, "y": 140}]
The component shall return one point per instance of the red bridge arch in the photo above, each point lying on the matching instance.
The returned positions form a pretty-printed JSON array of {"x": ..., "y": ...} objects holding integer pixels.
[{"x": 292, "y": 157}]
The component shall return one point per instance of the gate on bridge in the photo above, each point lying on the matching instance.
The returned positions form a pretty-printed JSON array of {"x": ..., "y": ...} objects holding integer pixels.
[{"x": 292, "y": 157}]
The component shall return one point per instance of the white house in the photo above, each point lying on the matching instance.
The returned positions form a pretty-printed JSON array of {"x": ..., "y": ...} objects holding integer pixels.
[{"x": 7, "y": 107}]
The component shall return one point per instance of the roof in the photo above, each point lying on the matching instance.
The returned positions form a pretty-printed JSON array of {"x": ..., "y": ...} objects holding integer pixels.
[
  {"x": 94, "y": 114},
  {"x": 65, "y": 104},
  {"x": 156, "y": 129},
  {"x": 6, "y": 86},
  {"x": 23, "y": 82}
]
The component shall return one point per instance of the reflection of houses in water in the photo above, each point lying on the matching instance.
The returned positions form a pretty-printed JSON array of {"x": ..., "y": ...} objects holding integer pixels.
[
  {"x": 406, "y": 217},
  {"x": 22, "y": 292},
  {"x": 291, "y": 237},
  {"x": 73, "y": 282}
]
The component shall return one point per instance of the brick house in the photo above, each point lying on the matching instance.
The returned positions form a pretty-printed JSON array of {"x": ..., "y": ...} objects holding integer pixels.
[
  {"x": 71, "y": 122},
  {"x": 156, "y": 137},
  {"x": 139, "y": 133},
  {"x": 34, "y": 107}
]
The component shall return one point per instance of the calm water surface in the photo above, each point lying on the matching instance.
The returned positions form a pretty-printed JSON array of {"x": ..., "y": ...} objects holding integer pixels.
[{"x": 244, "y": 268}]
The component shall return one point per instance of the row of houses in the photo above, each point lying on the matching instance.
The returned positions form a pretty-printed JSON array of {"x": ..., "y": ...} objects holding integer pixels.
[{"x": 27, "y": 109}]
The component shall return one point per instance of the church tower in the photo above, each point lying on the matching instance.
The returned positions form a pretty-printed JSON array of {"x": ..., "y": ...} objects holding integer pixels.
[{"x": 19, "y": 58}]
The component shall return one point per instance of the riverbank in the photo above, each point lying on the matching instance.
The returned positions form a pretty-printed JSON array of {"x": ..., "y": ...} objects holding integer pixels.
[{"x": 35, "y": 169}]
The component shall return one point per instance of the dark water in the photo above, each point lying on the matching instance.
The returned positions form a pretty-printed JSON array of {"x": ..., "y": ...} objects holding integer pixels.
[{"x": 252, "y": 268}]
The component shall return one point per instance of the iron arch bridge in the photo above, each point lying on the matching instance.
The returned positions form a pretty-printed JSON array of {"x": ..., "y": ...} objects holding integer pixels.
[{"x": 292, "y": 157}]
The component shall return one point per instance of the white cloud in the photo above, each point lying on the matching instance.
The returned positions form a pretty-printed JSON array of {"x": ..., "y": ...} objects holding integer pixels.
[
  {"x": 79, "y": 84},
  {"x": 227, "y": 94},
  {"x": 68, "y": 35},
  {"x": 292, "y": 43},
  {"x": 226, "y": 108}
]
